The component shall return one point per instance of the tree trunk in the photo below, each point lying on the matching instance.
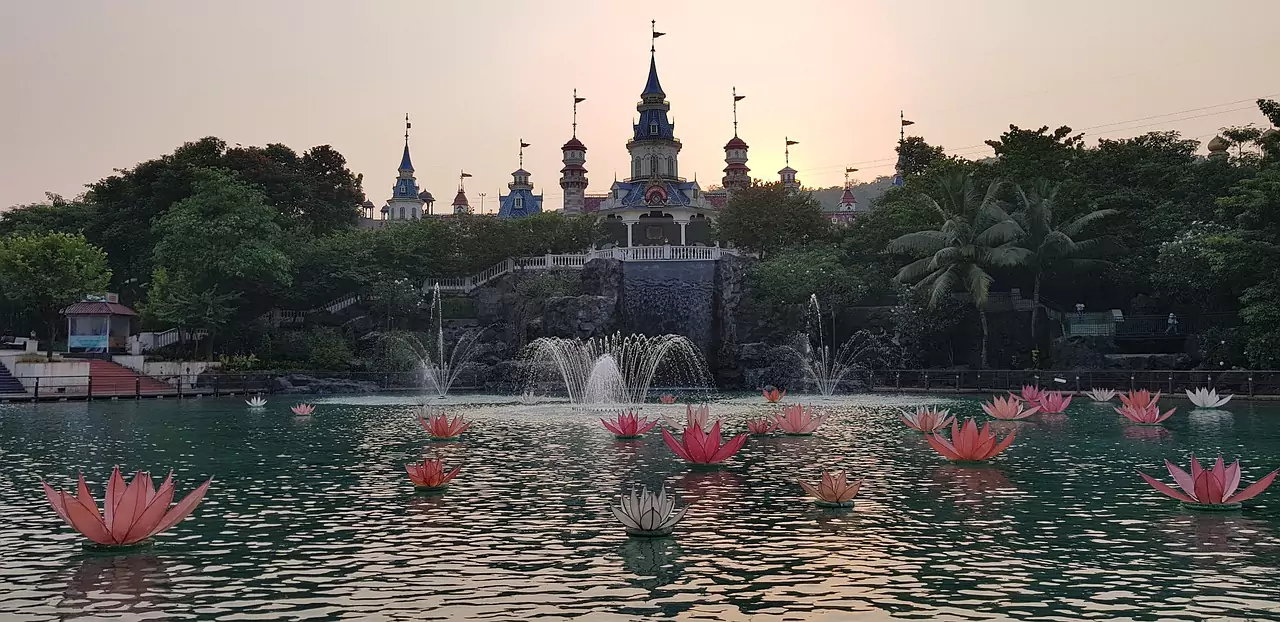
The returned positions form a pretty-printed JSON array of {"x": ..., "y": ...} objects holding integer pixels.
[
  {"x": 983, "y": 315},
  {"x": 53, "y": 332},
  {"x": 1035, "y": 313}
]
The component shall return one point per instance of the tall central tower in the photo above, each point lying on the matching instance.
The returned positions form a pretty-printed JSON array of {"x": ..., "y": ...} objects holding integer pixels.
[
  {"x": 573, "y": 177},
  {"x": 653, "y": 145}
]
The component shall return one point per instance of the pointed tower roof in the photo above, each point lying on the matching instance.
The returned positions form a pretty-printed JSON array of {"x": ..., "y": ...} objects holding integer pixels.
[
  {"x": 405, "y": 164},
  {"x": 461, "y": 198},
  {"x": 652, "y": 86}
]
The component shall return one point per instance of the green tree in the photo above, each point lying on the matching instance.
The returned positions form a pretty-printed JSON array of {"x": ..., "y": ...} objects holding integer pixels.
[
  {"x": 1029, "y": 154},
  {"x": 765, "y": 219},
  {"x": 1055, "y": 246},
  {"x": 222, "y": 244},
  {"x": 915, "y": 155},
  {"x": 55, "y": 214},
  {"x": 977, "y": 236},
  {"x": 49, "y": 271},
  {"x": 790, "y": 276}
]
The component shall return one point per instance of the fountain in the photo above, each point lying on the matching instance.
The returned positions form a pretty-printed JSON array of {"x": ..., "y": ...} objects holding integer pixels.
[
  {"x": 617, "y": 370},
  {"x": 824, "y": 369},
  {"x": 439, "y": 372}
]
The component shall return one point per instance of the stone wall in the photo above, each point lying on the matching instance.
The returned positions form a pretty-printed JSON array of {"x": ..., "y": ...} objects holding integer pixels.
[{"x": 660, "y": 297}]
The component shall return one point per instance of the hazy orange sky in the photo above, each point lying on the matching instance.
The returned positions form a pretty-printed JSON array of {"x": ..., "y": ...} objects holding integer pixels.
[{"x": 92, "y": 85}]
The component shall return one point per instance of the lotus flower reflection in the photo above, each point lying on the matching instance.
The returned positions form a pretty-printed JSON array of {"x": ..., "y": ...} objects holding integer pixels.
[
  {"x": 798, "y": 420},
  {"x": 759, "y": 427},
  {"x": 647, "y": 514},
  {"x": 1031, "y": 394},
  {"x": 833, "y": 491},
  {"x": 1101, "y": 395},
  {"x": 1054, "y": 402},
  {"x": 303, "y": 409},
  {"x": 257, "y": 402},
  {"x": 667, "y": 398},
  {"x": 131, "y": 513},
  {"x": 1207, "y": 398},
  {"x": 773, "y": 395},
  {"x": 701, "y": 447},
  {"x": 1209, "y": 489},
  {"x": 430, "y": 475},
  {"x": 628, "y": 425},
  {"x": 968, "y": 443},
  {"x": 440, "y": 427},
  {"x": 1008, "y": 409},
  {"x": 927, "y": 419}
]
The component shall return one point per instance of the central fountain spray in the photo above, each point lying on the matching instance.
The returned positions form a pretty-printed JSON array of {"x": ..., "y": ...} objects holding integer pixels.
[
  {"x": 825, "y": 369},
  {"x": 617, "y": 369},
  {"x": 440, "y": 366}
]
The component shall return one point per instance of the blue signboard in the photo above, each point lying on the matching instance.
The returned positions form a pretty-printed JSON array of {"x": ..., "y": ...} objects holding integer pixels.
[{"x": 88, "y": 342}]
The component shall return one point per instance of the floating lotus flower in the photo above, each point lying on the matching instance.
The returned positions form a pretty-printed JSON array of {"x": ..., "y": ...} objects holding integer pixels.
[
  {"x": 257, "y": 402},
  {"x": 773, "y": 395},
  {"x": 528, "y": 397},
  {"x": 1141, "y": 399},
  {"x": 701, "y": 447},
  {"x": 1209, "y": 489},
  {"x": 927, "y": 419},
  {"x": 303, "y": 409},
  {"x": 759, "y": 427},
  {"x": 441, "y": 428},
  {"x": 798, "y": 420},
  {"x": 1054, "y": 402},
  {"x": 430, "y": 476},
  {"x": 1207, "y": 398},
  {"x": 1101, "y": 395},
  {"x": 1148, "y": 414},
  {"x": 700, "y": 416},
  {"x": 833, "y": 491},
  {"x": 968, "y": 443},
  {"x": 1031, "y": 394},
  {"x": 667, "y": 398},
  {"x": 1008, "y": 409},
  {"x": 628, "y": 425},
  {"x": 131, "y": 514},
  {"x": 647, "y": 514}
]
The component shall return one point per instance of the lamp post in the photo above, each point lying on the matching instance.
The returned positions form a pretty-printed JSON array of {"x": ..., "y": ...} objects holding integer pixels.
[{"x": 482, "y": 195}]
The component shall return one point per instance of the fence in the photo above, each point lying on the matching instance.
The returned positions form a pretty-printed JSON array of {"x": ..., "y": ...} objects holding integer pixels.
[
  {"x": 52, "y": 388},
  {"x": 1239, "y": 382}
]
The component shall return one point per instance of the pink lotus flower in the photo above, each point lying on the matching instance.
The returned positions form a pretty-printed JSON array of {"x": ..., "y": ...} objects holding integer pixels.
[
  {"x": 927, "y": 419},
  {"x": 773, "y": 395},
  {"x": 303, "y": 409},
  {"x": 1150, "y": 415},
  {"x": 1054, "y": 402},
  {"x": 1008, "y": 409},
  {"x": 1213, "y": 488},
  {"x": 968, "y": 443},
  {"x": 759, "y": 427},
  {"x": 667, "y": 398},
  {"x": 833, "y": 491},
  {"x": 629, "y": 425},
  {"x": 440, "y": 427},
  {"x": 1031, "y": 394},
  {"x": 1140, "y": 400},
  {"x": 131, "y": 513},
  {"x": 430, "y": 475},
  {"x": 798, "y": 420},
  {"x": 701, "y": 447}
]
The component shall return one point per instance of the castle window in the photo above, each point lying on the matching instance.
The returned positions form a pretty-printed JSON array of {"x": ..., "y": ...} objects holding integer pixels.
[
  {"x": 653, "y": 128},
  {"x": 635, "y": 167},
  {"x": 401, "y": 213},
  {"x": 519, "y": 202}
]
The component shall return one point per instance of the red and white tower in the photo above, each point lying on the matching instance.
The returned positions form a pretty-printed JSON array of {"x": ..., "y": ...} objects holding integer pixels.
[
  {"x": 573, "y": 177},
  {"x": 736, "y": 173}
]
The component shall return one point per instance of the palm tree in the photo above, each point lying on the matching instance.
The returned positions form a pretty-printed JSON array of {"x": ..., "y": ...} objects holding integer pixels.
[
  {"x": 1054, "y": 245},
  {"x": 976, "y": 236}
]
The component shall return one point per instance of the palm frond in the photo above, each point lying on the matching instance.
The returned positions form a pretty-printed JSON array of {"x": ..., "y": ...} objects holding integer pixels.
[
  {"x": 1006, "y": 256},
  {"x": 978, "y": 283},
  {"x": 915, "y": 270},
  {"x": 919, "y": 243},
  {"x": 1001, "y": 232},
  {"x": 945, "y": 283},
  {"x": 1080, "y": 224}
]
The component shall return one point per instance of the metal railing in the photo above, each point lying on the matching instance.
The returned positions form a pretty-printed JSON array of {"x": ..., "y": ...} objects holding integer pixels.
[{"x": 1238, "y": 382}]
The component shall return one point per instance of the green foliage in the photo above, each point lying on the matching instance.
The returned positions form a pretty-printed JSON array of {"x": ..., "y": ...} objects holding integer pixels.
[
  {"x": 238, "y": 363},
  {"x": 790, "y": 276},
  {"x": 1028, "y": 154},
  {"x": 329, "y": 350},
  {"x": 55, "y": 215},
  {"x": 924, "y": 330},
  {"x": 1260, "y": 311},
  {"x": 545, "y": 285},
  {"x": 915, "y": 155},
  {"x": 765, "y": 219},
  {"x": 46, "y": 272}
]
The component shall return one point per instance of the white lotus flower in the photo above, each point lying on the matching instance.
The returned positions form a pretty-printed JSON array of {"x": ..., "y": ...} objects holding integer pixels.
[
  {"x": 1207, "y": 398},
  {"x": 528, "y": 397},
  {"x": 1101, "y": 395},
  {"x": 257, "y": 402},
  {"x": 647, "y": 514}
]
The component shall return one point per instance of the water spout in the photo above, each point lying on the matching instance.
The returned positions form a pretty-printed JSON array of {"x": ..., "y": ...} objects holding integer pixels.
[{"x": 617, "y": 369}]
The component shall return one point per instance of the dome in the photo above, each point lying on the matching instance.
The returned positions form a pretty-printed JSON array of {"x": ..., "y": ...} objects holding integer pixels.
[
  {"x": 574, "y": 144},
  {"x": 1218, "y": 144},
  {"x": 368, "y": 204},
  {"x": 426, "y": 197},
  {"x": 735, "y": 143}
]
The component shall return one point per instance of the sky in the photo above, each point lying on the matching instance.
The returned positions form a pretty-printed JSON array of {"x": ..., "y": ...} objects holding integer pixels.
[{"x": 97, "y": 85}]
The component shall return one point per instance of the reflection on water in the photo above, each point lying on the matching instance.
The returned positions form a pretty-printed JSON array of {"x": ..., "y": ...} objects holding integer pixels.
[{"x": 316, "y": 518}]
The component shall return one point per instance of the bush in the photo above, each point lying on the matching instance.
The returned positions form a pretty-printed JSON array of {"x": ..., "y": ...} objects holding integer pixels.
[{"x": 329, "y": 350}]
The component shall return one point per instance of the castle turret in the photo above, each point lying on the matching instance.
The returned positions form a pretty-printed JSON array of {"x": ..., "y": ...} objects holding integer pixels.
[
  {"x": 521, "y": 201},
  {"x": 736, "y": 173},
  {"x": 653, "y": 145},
  {"x": 573, "y": 177},
  {"x": 788, "y": 175},
  {"x": 404, "y": 203}
]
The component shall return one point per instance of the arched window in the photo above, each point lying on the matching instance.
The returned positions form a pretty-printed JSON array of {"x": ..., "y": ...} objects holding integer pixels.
[
  {"x": 653, "y": 128},
  {"x": 653, "y": 165},
  {"x": 671, "y": 165},
  {"x": 401, "y": 212},
  {"x": 635, "y": 167}
]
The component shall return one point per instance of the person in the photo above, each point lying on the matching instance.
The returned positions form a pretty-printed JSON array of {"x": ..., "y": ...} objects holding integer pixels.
[
  {"x": 1172, "y": 325},
  {"x": 1080, "y": 310}
]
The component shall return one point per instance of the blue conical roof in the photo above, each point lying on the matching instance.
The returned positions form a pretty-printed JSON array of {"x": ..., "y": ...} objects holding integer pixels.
[
  {"x": 405, "y": 164},
  {"x": 652, "y": 87}
]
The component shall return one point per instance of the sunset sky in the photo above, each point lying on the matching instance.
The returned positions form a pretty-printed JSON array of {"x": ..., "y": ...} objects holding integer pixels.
[{"x": 93, "y": 85}]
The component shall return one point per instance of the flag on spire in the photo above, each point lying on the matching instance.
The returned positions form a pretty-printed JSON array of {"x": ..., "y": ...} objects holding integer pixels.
[
  {"x": 466, "y": 175},
  {"x": 523, "y": 144},
  {"x": 850, "y": 169},
  {"x": 906, "y": 123},
  {"x": 657, "y": 34},
  {"x": 579, "y": 100},
  {"x": 739, "y": 98},
  {"x": 792, "y": 142}
]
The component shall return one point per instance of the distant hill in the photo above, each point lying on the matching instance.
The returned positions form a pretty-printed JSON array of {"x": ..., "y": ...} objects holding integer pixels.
[{"x": 866, "y": 193}]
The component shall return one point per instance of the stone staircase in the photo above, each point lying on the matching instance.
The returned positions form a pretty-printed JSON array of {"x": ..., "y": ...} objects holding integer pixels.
[
  {"x": 110, "y": 379},
  {"x": 10, "y": 385}
]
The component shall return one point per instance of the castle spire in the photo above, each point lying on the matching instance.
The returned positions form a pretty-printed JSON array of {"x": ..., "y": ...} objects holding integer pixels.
[
  {"x": 652, "y": 86},
  {"x": 405, "y": 163}
]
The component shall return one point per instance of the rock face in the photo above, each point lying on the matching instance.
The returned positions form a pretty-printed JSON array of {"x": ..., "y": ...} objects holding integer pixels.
[
  {"x": 660, "y": 297},
  {"x": 1082, "y": 352},
  {"x": 582, "y": 317},
  {"x": 304, "y": 384}
]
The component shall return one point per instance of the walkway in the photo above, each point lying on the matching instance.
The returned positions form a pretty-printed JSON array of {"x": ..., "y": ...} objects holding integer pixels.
[{"x": 575, "y": 261}]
